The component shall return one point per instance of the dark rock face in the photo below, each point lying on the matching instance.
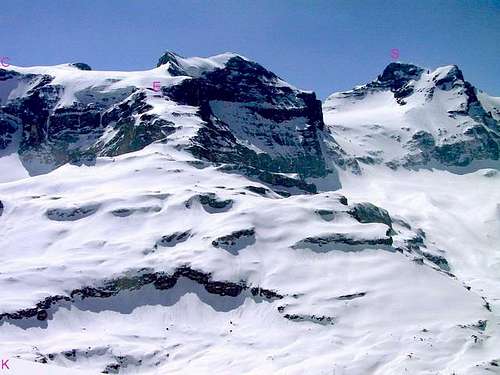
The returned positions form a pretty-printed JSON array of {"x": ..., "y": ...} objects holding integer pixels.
[
  {"x": 423, "y": 140},
  {"x": 324, "y": 320},
  {"x": 46, "y": 130},
  {"x": 85, "y": 353},
  {"x": 438, "y": 260},
  {"x": 159, "y": 280},
  {"x": 478, "y": 143},
  {"x": 124, "y": 212},
  {"x": 71, "y": 214},
  {"x": 130, "y": 134},
  {"x": 9, "y": 125},
  {"x": 112, "y": 368},
  {"x": 174, "y": 68},
  {"x": 327, "y": 215},
  {"x": 417, "y": 246},
  {"x": 399, "y": 78},
  {"x": 50, "y": 135},
  {"x": 173, "y": 239},
  {"x": 1, "y": 208},
  {"x": 265, "y": 293},
  {"x": 369, "y": 213},
  {"x": 450, "y": 80},
  {"x": 351, "y": 296},
  {"x": 36, "y": 311},
  {"x": 258, "y": 190},
  {"x": 211, "y": 203},
  {"x": 275, "y": 179},
  {"x": 343, "y": 200},
  {"x": 42, "y": 315},
  {"x": 343, "y": 242},
  {"x": 397, "y": 75},
  {"x": 81, "y": 66},
  {"x": 236, "y": 240}
]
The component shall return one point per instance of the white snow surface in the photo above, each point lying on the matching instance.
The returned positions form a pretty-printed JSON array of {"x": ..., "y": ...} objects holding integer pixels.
[
  {"x": 459, "y": 213},
  {"x": 352, "y": 309},
  {"x": 490, "y": 103},
  {"x": 409, "y": 319},
  {"x": 74, "y": 80},
  {"x": 196, "y": 66}
]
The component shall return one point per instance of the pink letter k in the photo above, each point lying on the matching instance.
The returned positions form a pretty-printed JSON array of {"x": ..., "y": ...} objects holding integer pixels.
[{"x": 4, "y": 364}]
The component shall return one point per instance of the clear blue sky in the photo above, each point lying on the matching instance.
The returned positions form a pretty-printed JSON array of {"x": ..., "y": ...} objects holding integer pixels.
[{"x": 325, "y": 46}]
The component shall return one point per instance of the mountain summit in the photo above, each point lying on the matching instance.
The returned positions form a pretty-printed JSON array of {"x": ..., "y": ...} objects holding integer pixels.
[
  {"x": 411, "y": 117},
  {"x": 194, "y": 66}
]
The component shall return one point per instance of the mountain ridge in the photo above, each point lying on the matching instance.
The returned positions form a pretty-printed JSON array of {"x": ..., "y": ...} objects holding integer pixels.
[
  {"x": 232, "y": 222},
  {"x": 201, "y": 73},
  {"x": 99, "y": 106},
  {"x": 451, "y": 128}
]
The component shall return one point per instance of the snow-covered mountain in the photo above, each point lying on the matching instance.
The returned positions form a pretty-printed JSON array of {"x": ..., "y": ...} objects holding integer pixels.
[
  {"x": 416, "y": 118},
  {"x": 220, "y": 225},
  {"x": 244, "y": 116}
]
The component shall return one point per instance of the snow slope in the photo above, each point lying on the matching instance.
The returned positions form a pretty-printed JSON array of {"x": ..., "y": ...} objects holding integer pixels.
[
  {"x": 459, "y": 213},
  {"x": 324, "y": 320},
  {"x": 196, "y": 242}
]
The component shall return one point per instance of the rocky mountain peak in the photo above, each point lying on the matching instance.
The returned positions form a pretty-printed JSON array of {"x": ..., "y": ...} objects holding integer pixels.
[
  {"x": 398, "y": 74},
  {"x": 195, "y": 67},
  {"x": 169, "y": 57},
  {"x": 448, "y": 77},
  {"x": 437, "y": 119}
]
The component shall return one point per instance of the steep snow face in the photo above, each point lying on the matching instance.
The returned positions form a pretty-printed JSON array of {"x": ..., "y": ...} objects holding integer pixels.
[
  {"x": 414, "y": 118},
  {"x": 490, "y": 103},
  {"x": 155, "y": 261}
]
